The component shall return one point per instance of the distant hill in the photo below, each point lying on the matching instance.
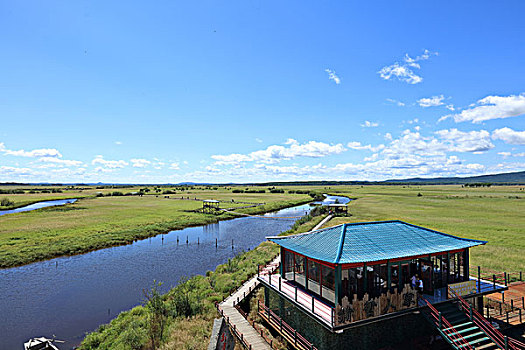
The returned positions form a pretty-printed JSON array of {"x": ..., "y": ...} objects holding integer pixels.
[
  {"x": 515, "y": 178},
  {"x": 503, "y": 178}
]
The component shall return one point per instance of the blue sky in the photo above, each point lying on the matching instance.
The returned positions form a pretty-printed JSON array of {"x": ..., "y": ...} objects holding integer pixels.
[{"x": 164, "y": 92}]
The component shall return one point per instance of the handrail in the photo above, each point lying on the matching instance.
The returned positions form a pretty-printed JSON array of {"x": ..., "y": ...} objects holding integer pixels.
[
  {"x": 284, "y": 327},
  {"x": 236, "y": 332},
  {"x": 451, "y": 332},
  {"x": 486, "y": 326}
]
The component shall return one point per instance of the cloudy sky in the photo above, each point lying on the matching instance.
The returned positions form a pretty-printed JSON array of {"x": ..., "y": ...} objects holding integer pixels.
[{"x": 241, "y": 91}]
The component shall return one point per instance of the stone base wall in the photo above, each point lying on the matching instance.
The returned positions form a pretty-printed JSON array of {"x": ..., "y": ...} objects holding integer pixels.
[{"x": 375, "y": 335}]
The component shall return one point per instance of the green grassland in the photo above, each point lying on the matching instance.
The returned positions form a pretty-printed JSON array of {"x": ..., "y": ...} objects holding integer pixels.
[
  {"x": 99, "y": 222},
  {"x": 495, "y": 214}
]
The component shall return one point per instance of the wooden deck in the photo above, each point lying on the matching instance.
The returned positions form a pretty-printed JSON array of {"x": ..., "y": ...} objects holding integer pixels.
[
  {"x": 508, "y": 306},
  {"x": 237, "y": 321},
  {"x": 240, "y": 325}
]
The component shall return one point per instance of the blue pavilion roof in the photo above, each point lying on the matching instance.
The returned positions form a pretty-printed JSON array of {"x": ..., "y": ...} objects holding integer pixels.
[{"x": 371, "y": 241}]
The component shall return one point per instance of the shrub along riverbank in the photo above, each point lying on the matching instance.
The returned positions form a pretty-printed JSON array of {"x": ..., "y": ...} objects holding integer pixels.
[
  {"x": 182, "y": 318},
  {"x": 96, "y": 223}
]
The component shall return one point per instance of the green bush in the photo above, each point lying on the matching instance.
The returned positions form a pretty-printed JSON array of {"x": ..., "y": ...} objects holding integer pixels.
[{"x": 6, "y": 202}]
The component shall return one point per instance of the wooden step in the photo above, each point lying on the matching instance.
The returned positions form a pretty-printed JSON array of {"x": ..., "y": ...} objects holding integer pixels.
[
  {"x": 460, "y": 325},
  {"x": 489, "y": 346},
  {"x": 477, "y": 334},
  {"x": 465, "y": 330},
  {"x": 471, "y": 343}
]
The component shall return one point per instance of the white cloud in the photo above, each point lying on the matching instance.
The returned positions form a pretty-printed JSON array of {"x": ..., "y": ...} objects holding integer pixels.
[
  {"x": 42, "y": 152},
  {"x": 258, "y": 140},
  {"x": 174, "y": 166},
  {"x": 404, "y": 71},
  {"x": 276, "y": 153},
  {"x": 491, "y": 107},
  {"x": 388, "y": 136},
  {"x": 118, "y": 143},
  {"x": 459, "y": 141},
  {"x": 139, "y": 162},
  {"x": 401, "y": 72},
  {"x": 505, "y": 154},
  {"x": 358, "y": 146},
  {"x": 399, "y": 103},
  {"x": 8, "y": 171},
  {"x": 333, "y": 76},
  {"x": 508, "y": 135},
  {"x": 368, "y": 124},
  {"x": 100, "y": 169},
  {"x": 111, "y": 164},
  {"x": 431, "y": 101},
  {"x": 62, "y": 162}
]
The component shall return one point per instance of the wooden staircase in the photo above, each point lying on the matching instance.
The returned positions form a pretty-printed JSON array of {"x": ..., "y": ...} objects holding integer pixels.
[{"x": 461, "y": 332}]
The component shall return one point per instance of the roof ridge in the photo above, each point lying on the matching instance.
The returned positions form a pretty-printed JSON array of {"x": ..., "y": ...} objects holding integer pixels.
[
  {"x": 304, "y": 233},
  {"x": 341, "y": 244}
]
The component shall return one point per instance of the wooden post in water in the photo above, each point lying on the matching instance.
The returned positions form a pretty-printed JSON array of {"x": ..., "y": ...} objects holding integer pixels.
[
  {"x": 216, "y": 242},
  {"x": 198, "y": 241},
  {"x": 177, "y": 240},
  {"x": 187, "y": 240},
  {"x": 232, "y": 244}
]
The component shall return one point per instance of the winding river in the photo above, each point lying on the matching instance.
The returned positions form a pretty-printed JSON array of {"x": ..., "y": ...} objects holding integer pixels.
[
  {"x": 70, "y": 296},
  {"x": 38, "y": 205}
]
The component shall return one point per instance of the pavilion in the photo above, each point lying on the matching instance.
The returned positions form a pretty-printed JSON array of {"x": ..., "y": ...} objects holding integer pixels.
[{"x": 354, "y": 274}]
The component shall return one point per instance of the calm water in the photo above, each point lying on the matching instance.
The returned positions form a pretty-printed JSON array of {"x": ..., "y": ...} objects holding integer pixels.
[
  {"x": 38, "y": 205},
  {"x": 73, "y": 295}
]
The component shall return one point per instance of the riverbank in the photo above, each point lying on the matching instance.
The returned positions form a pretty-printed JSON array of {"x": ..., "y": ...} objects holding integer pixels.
[
  {"x": 190, "y": 307},
  {"x": 102, "y": 222}
]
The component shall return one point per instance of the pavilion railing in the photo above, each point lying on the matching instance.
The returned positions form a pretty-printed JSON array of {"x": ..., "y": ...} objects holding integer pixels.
[
  {"x": 497, "y": 337},
  {"x": 503, "y": 278}
]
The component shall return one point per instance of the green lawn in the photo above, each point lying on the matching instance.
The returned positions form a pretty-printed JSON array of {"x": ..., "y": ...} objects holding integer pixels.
[{"x": 99, "y": 222}]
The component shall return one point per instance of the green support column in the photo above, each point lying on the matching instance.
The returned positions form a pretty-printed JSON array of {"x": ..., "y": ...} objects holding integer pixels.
[
  {"x": 267, "y": 297},
  {"x": 281, "y": 306},
  {"x": 389, "y": 274},
  {"x": 305, "y": 273},
  {"x": 281, "y": 266},
  {"x": 400, "y": 277},
  {"x": 466, "y": 266},
  {"x": 448, "y": 268},
  {"x": 338, "y": 282},
  {"x": 365, "y": 279}
]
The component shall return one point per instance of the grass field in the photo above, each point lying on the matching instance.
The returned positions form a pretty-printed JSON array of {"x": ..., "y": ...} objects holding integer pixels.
[
  {"x": 99, "y": 222},
  {"x": 495, "y": 214}
]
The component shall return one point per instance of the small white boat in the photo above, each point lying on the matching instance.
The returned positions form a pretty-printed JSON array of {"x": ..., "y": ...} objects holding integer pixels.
[{"x": 40, "y": 344}]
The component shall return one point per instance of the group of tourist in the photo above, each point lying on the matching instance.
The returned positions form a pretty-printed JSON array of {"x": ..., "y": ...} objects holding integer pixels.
[{"x": 417, "y": 283}]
